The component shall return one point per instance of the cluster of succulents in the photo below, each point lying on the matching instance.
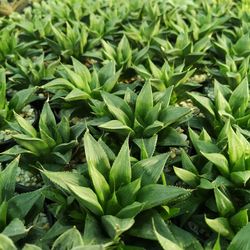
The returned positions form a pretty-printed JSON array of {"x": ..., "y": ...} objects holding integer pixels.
[{"x": 124, "y": 125}]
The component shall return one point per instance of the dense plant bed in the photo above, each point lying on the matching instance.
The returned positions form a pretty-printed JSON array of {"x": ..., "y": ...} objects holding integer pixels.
[{"x": 124, "y": 125}]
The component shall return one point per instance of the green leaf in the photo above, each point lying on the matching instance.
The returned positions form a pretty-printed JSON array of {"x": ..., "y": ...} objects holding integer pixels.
[
  {"x": 241, "y": 239},
  {"x": 224, "y": 205},
  {"x": 90, "y": 247},
  {"x": 77, "y": 95},
  {"x": 31, "y": 247},
  {"x": 221, "y": 226},
  {"x": 6, "y": 243},
  {"x": 147, "y": 146},
  {"x": 112, "y": 205},
  {"x": 3, "y": 214},
  {"x": 153, "y": 129},
  {"x": 64, "y": 129},
  {"x": 69, "y": 239},
  {"x": 219, "y": 161},
  {"x": 240, "y": 177},
  {"x": 144, "y": 102},
  {"x": 47, "y": 122},
  {"x": 124, "y": 52},
  {"x": 155, "y": 195},
  {"x": 221, "y": 103},
  {"x": 127, "y": 194},
  {"x": 20, "y": 205},
  {"x": 130, "y": 211},
  {"x": 77, "y": 80},
  {"x": 26, "y": 127},
  {"x": 235, "y": 150},
  {"x": 8, "y": 180},
  {"x": 240, "y": 98},
  {"x": 187, "y": 163},
  {"x": 62, "y": 179},
  {"x": 93, "y": 232},
  {"x": 115, "y": 226},
  {"x": 217, "y": 244},
  {"x": 204, "y": 104},
  {"x": 119, "y": 108},
  {"x": 116, "y": 125},
  {"x": 187, "y": 176},
  {"x": 87, "y": 198},
  {"x": 99, "y": 161},
  {"x": 81, "y": 70},
  {"x": 149, "y": 170},
  {"x": 3, "y": 100},
  {"x": 185, "y": 239},
  {"x": 59, "y": 83},
  {"x": 165, "y": 243},
  {"x": 120, "y": 173},
  {"x": 173, "y": 114},
  {"x": 15, "y": 230},
  {"x": 239, "y": 220},
  {"x": 171, "y": 137},
  {"x": 100, "y": 184}
]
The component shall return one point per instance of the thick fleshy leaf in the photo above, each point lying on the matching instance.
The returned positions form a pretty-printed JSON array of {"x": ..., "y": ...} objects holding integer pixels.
[
  {"x": 241, "y": 239},
  {"x": 221, "y": 226},
  {"x": 6, "y": 243},
  {"x": 187, "y": 163},
  {"x": 96, "y": 160},
  {"x": 240, "y": 219},
  {"x": 31, "y": 247},
  {"x": 116, "y": 126},
  {"x": 187, "y": 176},
  {"x": 62, "y": 179},
  {"x": 115, "y": 226},
  {"x": 20, "y": 205},
  {"x": 100, "y": 184},
  {"x": 173, "y": 114},
  {"x": 69, "y": 239},
  {"x": 235, "y": 149},
  {"x": 93, "y": 233},
  {"x": 205, "y": 104},
  {"x": 127, "y": 194},
  {"x": 223, "y": 203},
  {"x": 26, "y": 127},
  {"x": 47, "y": 122},
  {"x": 59, "y": 83},
  {"x": 130, "y": 211},
  {"x": 15, "y": 230},
  {"x": 144, "y": 102},
  {"x": 87, "y": 198},
  {"x": 240, "y": 98},
  {"x": 81, "y": 70},
  {"x": 219, "y": 160},
  {"x": 119, "y": 108},
  {"x": 77, "y": 95},
  {"x": 2, "y": 89},
  {"x": 147, "y": 146},
  {"x": 149, "y": 170},
  {"x": 120, "y": 173},
  {"x": 77, "y": 80},
  {"x": 8, "y": 180},
  {"x": 166, "y": 243},
  {"x": 240, "y": 177},
  {"x": 155, "y": 195}
]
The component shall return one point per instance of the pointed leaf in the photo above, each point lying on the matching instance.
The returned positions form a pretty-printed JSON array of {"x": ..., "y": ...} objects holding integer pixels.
[
  {"x": 150, "y": 169},
  {"x": 69, "y": 239}
]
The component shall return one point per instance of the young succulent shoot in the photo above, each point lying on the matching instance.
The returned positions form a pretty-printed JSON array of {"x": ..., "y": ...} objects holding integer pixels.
[
  {"x": 118, "y": 191},
  {"x": 80, "y": 84},
  {"x": 52, "y": 142},
  {"x": 142, "y": 116}
]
